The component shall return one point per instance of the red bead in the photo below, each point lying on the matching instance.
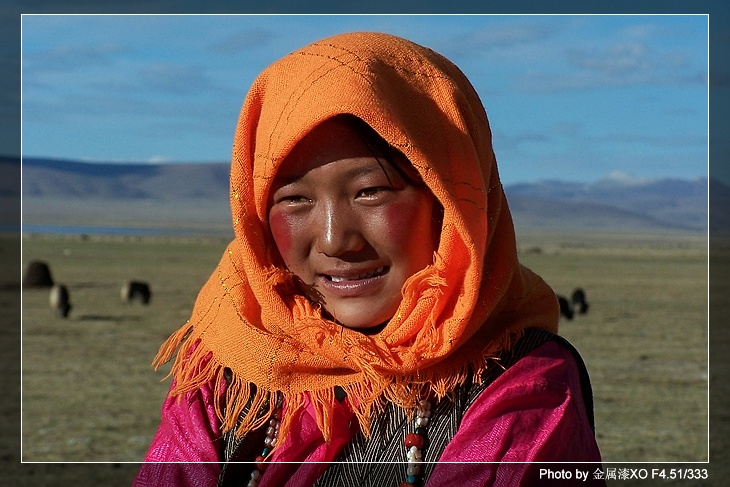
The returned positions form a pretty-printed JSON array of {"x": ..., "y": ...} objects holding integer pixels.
[
  {"x": 406, "y": 484},
  {"x": 413, "y": 439},
  {"x": 260, "y": 463}
]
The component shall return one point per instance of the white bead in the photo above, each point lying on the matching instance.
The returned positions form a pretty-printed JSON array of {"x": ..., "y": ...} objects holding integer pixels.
[
  {"x": 422, "y": 421},
  {"x": 252, "y": 483},
  {"x": 267, "y": 441},
  {"x": 414, "y": 454},
  {"x": 270, "y": 431},
  {"x": 255, "y": 475}
]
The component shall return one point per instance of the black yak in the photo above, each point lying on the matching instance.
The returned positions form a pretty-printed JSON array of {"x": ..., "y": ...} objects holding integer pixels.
[
  {"x": 136, "y": 291},
  {"x": 579, "y": 301},
  {"x": 37, "y": 274},
  {"x": 566, "y": 309}
]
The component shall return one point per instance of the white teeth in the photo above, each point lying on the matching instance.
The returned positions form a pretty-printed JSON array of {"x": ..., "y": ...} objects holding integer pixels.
[{"x": 355, "y": 278}]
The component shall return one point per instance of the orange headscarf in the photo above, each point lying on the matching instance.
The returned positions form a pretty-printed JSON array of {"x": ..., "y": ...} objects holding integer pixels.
[{"x": 455, "y": 315}]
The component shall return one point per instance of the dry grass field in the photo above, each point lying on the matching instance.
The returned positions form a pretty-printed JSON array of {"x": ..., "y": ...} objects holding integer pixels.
[
  {"x": 89, "y": 394},
  {"x": 644, "y": 338}
]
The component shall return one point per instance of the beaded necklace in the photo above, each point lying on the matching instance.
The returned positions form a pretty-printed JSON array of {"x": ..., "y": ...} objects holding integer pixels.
[{"x": 414, "y": 443}]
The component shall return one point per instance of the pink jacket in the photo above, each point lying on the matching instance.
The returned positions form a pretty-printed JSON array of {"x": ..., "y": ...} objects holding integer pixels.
[{"x": 533, "y": 412}]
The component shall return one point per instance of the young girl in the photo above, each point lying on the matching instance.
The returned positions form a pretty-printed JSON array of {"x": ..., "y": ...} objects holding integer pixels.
[{"x": 370, "y": 324}]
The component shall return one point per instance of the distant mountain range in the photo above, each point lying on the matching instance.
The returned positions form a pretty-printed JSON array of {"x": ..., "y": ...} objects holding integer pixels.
[
  {"x": 612, "y": 203},
  {"x": 195, "y": 195},
  {"x": 190, "y": 196}
]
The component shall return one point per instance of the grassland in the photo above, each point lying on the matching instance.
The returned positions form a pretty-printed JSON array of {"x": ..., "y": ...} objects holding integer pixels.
[
  {"x": 89, "y": 394},
  {"x": 644, "y": 338}
]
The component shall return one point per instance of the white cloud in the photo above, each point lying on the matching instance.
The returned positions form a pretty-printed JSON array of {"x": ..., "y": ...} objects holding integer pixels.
[{"x": 617, "y": 60}]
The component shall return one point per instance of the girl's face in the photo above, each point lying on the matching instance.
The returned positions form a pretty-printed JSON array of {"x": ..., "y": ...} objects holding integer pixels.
[{"x": 349, "y": 225}]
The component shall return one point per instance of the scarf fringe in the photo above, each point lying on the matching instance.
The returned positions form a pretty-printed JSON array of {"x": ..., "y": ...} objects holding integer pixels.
[
  {"x": 436, "y": 280},
  {"x": 246, "y": 407},
  {"x": 170, "y": 346}
]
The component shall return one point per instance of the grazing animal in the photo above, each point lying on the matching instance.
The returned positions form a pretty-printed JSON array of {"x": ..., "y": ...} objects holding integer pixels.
[
  {"x": 566, "y": 309},
  {"x": 136, "y": 291},
  {"x": 579, "y": 301},
  {"x": 59, "y": 301},
  {"x": 37, "y": 274}
]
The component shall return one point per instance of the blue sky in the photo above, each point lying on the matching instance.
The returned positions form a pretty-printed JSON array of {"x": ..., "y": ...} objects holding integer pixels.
[{"x": 568, "y": 97}]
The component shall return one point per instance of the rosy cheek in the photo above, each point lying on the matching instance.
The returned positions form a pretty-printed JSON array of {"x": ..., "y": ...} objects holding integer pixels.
[
  {"x": 410, "y": 229},
  {"x": 282, "y": 229},
  {"x": 400, "y": 217}
]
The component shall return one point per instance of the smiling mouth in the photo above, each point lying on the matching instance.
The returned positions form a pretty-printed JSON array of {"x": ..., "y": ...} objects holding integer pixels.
[{"x": 375, "y": 273}]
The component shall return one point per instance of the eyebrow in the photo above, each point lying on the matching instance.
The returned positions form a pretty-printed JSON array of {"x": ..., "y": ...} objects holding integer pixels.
[
  {"x": 351, "y": 173},
  {"x": 370, "y": 168}
]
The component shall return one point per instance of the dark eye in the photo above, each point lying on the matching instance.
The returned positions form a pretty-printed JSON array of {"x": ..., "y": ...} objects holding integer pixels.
[
  {"x": 372, "y": 192},
  {"x": 292, "y": 199}
]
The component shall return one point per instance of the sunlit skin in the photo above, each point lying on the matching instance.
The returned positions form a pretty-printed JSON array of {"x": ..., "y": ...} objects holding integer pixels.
[{"x": 348, "y": 225}]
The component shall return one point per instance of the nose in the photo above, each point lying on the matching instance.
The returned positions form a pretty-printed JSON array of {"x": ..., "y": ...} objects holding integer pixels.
[{"x": 337, "y": 230}]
